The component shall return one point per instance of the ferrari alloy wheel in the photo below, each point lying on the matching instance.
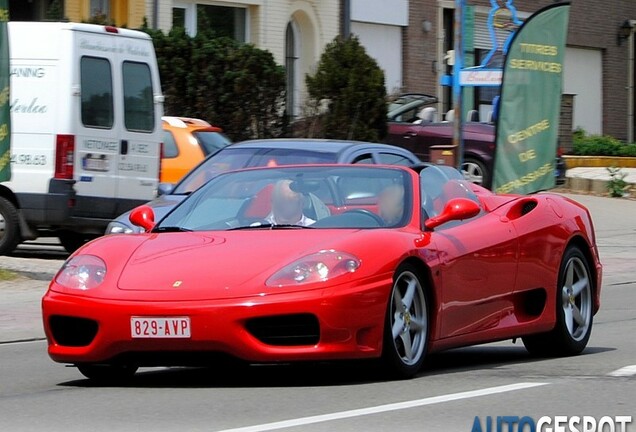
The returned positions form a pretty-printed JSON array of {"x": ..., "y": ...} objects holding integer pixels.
[
  {"x": 574, "y": 310},
  {"x": 103, "y": 373},
  {"x": 406, "y": 330}
]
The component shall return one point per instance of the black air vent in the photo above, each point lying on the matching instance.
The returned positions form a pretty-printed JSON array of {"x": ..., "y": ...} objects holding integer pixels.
[
  {"x": 527, "y": 207},
  {"x": 286, "y": 330},
  {"x": 73, "y": 331}
]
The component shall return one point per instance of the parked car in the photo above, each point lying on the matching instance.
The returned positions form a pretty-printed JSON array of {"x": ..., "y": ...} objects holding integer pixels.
[
  {"x": 186, "y": 142},
  {"x": 414, "y": 124},
  {"x": 267, "y": 153},
  {"x": 86, "y": 106},
  {"x": 386, "y": 263}
]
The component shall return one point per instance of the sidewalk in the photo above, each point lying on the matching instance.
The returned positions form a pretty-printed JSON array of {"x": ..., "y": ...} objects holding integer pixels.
[
  {"x": 594, "y": 179},
  {"x": 20, "y": 315}
]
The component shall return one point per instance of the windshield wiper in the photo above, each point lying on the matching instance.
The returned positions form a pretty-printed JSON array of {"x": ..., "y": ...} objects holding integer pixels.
[
  {"x": 171, "y": 229},
  {"x": 269, "y": 226}
]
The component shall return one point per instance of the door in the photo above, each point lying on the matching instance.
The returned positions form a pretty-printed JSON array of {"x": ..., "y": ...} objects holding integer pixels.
[
  {"x": 97, "y": 139},
  {"x": 138, "y": 164},
  {"x": 478, "y": 259}
]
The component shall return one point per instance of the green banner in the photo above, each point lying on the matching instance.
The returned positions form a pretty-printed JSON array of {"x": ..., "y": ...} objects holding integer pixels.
[
  {"x": 5, "y": 110},
  {"x": 530, "y": 104}
]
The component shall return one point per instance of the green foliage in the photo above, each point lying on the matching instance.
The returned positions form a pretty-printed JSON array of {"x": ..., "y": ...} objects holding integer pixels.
[
  {"x": 232, "y": 85},
  {"x": 54, "y": 12},
  {"x": 352, "y": 85},
  {"x": 600, "y": 145},
  {"x": 617, "y": 186}
]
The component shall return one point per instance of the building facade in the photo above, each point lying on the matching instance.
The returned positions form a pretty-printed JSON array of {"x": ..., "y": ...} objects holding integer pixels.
[
  {"x": 599, "y": 65},
  {"x": 294, "y": 31},
  {"x": 123, "y": 13}
]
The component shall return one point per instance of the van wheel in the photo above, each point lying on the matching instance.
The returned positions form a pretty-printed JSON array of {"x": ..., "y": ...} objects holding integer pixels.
[
  {"x": 9, "y": 227},
  {"x": 72, "y": 241}
]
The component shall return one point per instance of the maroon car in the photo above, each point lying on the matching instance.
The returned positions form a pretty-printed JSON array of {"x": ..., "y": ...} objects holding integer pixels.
[{"x": 414, "y": 125}]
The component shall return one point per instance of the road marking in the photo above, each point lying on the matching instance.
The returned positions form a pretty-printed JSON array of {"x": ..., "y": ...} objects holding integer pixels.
[
  {"x": 626, "y": 371},
  {"x": 303, "y": 421}
]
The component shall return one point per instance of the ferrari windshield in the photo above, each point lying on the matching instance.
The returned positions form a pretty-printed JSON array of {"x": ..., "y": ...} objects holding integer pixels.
[{"x": 296, "y": 198}]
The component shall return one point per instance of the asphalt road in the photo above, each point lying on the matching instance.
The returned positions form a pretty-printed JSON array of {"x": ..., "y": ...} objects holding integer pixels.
[{"x": 456, "y": 386}]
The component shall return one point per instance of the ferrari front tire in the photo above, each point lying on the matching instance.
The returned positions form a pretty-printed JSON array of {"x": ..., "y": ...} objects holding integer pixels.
[
  {"x": 104, "y": 373},
  {"x": 574, "y": 312},
  {"x": 406, "y": 324}
]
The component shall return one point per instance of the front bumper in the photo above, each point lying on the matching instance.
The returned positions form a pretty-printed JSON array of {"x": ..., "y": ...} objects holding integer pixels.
[{"x": 350, "y": 321}]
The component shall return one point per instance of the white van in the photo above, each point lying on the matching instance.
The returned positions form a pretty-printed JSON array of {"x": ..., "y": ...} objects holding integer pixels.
[{"x": 86, "y": 109}]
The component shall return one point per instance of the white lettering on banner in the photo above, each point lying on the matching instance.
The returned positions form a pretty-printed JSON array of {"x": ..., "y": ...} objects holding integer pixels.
[{"x": 31, "y": 108}]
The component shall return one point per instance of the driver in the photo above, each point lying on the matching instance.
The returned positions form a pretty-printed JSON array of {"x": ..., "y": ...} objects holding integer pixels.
[
  {"x": 391, "y": 204},
  {"x": 287, "y": 206}
]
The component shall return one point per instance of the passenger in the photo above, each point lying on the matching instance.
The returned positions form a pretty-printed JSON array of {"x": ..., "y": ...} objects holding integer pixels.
[
  {"x": 391, "y": 204},
  {"x": 287, "y": 206}
]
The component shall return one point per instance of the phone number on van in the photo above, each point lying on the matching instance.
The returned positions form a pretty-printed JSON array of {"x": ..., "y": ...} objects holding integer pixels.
[{"x": 28, "y": 159}]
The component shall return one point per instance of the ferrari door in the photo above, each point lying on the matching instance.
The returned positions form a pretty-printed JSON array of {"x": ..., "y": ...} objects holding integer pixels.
[
  {"x": 478, "y": 266},
  {"x": 477, "y": 258}
]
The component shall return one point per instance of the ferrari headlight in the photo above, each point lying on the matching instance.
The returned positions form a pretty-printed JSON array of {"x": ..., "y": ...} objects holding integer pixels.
[
  {"x": 318, "y": 267},
  {"x": 82, "y": 272}
]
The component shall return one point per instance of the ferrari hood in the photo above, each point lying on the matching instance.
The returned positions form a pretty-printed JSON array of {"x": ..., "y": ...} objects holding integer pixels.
[{"x": 218, "y": 265}]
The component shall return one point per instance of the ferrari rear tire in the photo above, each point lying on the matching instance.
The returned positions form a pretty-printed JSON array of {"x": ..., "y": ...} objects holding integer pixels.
[
  {"x": 574, "y": 312},
  {"x": 104, "y": 373},
  {"x": 406, "y": 325}
]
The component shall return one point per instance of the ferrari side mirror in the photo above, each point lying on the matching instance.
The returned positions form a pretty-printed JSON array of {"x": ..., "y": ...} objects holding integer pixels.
[
  {"x": 455, "y": 209},
  {"x": 143, "y": 217}
]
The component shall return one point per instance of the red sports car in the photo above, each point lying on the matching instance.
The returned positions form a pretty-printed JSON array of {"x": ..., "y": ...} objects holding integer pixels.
[{"x": 328, "y": 262}]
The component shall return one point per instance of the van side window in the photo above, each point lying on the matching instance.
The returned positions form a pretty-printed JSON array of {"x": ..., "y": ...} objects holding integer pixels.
[
  {"x": 139, "y": 110},
  {"x": 97, "y": 92}
]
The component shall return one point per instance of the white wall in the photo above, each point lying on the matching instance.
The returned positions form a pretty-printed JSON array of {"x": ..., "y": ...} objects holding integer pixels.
[
  {"x": 384, "y": 44},
  {"x": 583, "y": 76},
  {"x": 393, "y": 12}
]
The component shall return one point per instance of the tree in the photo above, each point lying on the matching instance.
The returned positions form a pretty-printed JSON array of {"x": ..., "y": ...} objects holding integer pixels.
[
  {"x": 351, "y": 84},
  {"x": 230, "y": 84}
]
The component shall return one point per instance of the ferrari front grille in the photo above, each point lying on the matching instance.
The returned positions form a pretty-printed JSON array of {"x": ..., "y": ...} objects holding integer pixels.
[
  {"x": 72, "y": 331},
  {"x": 286, "y": 330}
]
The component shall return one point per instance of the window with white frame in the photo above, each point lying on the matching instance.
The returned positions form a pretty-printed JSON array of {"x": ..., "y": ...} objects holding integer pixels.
[
  {"x": 220, "y": 19},
  {"x": 100, "y": 8}
]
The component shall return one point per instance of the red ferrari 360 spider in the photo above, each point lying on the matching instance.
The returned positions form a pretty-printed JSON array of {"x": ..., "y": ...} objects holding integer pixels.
[{"x": 328, "y": 262}]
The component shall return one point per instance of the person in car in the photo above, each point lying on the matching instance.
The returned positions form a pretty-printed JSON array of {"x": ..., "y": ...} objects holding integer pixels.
[
  {"x": 287, "y": 206},
  {"x": 391, "y": 204}
]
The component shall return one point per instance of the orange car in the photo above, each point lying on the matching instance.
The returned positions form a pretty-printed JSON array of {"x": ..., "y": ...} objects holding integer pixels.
[{"x": 186, "y": 142}]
